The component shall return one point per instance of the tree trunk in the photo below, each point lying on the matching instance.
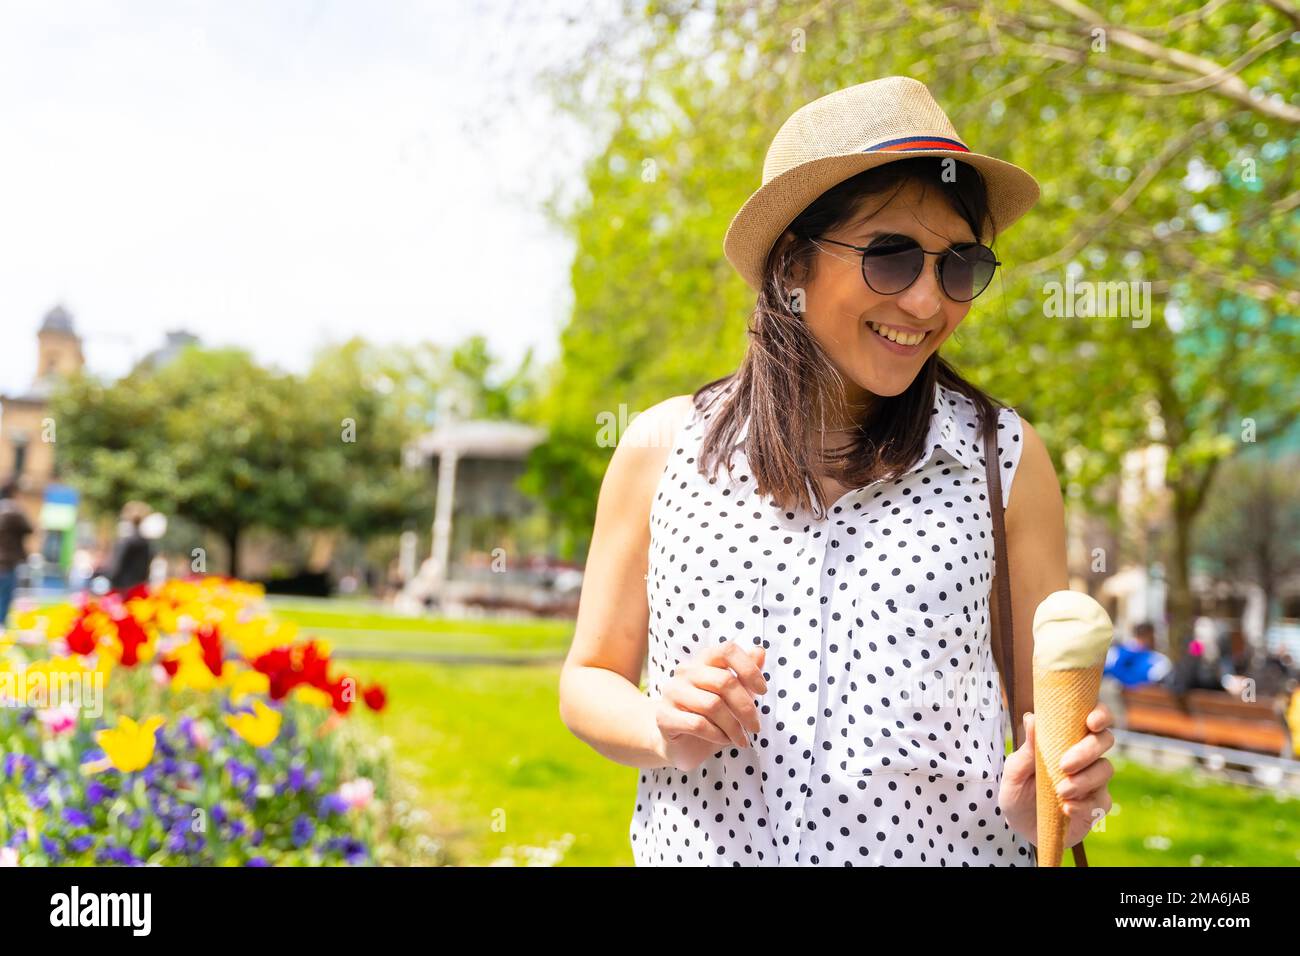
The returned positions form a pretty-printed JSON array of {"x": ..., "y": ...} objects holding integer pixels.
[
  {"x": 1179, "y": 595},
  {"x": 232, "y": 542}
]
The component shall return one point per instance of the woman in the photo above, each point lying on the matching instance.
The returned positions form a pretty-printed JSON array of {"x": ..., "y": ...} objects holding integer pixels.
[
  {"x": 803, "y": 549},
  {"x": 132, "y": 552}
]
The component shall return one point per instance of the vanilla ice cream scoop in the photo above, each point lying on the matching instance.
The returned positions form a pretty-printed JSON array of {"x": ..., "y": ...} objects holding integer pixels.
[{"x": 1071, "y": 630}]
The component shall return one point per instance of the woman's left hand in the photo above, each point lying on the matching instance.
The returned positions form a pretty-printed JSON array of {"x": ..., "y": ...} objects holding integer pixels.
[{"x": 1084, "y": 790}]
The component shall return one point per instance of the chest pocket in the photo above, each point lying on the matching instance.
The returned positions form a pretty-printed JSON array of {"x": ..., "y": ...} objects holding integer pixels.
[
  {"x": 912, "y": 693},
  {"x": 697, "y": 613}
]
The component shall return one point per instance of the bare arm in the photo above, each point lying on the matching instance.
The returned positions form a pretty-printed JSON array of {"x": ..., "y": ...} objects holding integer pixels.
[
  {"x": 1035, "y": 519},
  {"x": 1036, "y": 555},
  {"x": 600, "y": 697}
]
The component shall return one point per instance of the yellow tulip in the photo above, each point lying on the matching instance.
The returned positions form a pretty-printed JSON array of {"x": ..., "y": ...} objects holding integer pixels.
[
  {"x": 246, "y": 683},
  {"x": 313, "y": 695},
  {"x": 129, "y": 746},
  {"x": 259, "y": 728},
  {"x": 191, "y": 671}
]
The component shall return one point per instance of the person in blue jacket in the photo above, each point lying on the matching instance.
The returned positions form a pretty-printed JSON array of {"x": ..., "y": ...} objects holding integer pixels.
[{"x": 1135, "y": 661}]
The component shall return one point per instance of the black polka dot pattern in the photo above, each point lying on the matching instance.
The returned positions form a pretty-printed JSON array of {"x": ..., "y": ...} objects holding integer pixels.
[{"x": 882, "y": 728}]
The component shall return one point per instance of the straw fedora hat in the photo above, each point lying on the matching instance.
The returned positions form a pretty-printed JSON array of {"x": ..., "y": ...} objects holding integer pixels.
[{"x": 843, "y": 133}]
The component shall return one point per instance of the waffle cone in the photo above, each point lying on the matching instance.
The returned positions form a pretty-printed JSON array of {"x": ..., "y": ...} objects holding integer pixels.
[{"x": 1062, "y": 701}]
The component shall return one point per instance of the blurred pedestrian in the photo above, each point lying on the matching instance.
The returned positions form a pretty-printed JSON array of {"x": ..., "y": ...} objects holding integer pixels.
[
  {"x": 14, "y": 528},
  {"x": 1131, "y": 662},
  {"x": 133, "y": 552},
  {"x": 1135, "y": 661}
]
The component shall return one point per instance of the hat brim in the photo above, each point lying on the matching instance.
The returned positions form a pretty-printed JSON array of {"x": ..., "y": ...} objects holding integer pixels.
[{"x": 773, "y": 206}]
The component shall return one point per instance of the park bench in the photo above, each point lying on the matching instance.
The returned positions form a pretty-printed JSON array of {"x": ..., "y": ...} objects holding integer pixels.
[{"x": 1206, "y": 716}]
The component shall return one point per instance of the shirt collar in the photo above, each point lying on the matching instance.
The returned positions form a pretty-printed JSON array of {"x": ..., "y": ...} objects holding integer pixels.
[
  {"x": 945, "y": 431},
  {"x": 948, "y": 430}
]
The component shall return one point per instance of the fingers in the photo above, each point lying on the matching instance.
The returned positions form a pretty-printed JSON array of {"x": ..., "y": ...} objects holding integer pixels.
[
  {"x": 1089, "y": 780},
  {"x": 1018, "y": 768},
  {"x": 727, "y": 686},
  {"x": 1099, "y": 718},
  {"x": 1087, "y": 807},
  {"x": 739, "y": 659},
  {"x": 685, "y": 695},
  {"x": 1086, "y": 751},
  {"x": 673, "y": 722}
]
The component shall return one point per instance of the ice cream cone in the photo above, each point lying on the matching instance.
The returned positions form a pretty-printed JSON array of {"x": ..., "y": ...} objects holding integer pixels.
[
  {"x": 1062, "y": 701},
  {"x": 1072, "y": 633}
]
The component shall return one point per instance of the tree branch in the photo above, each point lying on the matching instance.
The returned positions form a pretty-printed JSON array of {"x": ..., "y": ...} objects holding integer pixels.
[
  {"x": 1225, "y": 83},
  {"x": 1125, "y": 199}
]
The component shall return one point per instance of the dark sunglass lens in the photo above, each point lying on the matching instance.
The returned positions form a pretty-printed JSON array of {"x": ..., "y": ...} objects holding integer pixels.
[
  {"x": 892, "y": 264},
  {"x": 967, "y": 270}
]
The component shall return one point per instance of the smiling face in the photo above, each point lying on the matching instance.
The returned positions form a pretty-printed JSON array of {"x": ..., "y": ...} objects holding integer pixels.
[{"x": 840, "y": 308}]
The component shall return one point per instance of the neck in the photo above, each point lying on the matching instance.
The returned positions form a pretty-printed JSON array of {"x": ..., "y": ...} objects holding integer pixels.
[{"x": 850, "y": 408}]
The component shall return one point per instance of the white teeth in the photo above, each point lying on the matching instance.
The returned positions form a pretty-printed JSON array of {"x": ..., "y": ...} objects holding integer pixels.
[{"x": 902, "y": 338}]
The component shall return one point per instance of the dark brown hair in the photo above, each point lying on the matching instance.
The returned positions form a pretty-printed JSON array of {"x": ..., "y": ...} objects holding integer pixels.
[{"x": 786, "y": 384}]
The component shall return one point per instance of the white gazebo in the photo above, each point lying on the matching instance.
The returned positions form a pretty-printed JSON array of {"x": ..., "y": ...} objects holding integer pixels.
[{"x": 477, "y": 462}]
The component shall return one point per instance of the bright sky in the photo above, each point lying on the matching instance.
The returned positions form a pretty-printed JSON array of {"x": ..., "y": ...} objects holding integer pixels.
[{"x": 277, "y": 175}]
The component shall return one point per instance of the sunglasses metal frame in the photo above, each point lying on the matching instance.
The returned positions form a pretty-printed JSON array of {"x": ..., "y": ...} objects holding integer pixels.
[{"x": 938, "y": 266}]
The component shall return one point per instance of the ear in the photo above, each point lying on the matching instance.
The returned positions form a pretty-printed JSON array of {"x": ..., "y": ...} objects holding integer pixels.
[{"x": 799, "y": 273}]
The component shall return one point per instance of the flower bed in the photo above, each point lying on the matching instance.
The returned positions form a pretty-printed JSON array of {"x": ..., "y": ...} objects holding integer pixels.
[{"x": 186, "y": 725}]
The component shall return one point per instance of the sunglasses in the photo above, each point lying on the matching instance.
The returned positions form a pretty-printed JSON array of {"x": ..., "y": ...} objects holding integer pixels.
[{"x": 892, "y": 263}]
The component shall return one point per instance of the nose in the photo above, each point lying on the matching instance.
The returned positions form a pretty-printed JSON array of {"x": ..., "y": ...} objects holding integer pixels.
[{"x": 923, "y": 298}]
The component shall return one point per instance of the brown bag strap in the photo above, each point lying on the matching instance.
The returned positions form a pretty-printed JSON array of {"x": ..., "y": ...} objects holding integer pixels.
[{"x": 1018, "y": 696}]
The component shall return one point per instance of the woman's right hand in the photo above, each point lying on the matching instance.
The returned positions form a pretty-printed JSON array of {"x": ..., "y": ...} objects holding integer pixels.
[{"x": 707, "y": 704}]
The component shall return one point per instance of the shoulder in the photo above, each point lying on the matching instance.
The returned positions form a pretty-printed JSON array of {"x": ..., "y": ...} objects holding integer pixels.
[
  {"x": 658, "y": 425},
  {"x": 1036, "y": 493},
  {"x": 642, "y": 452}
]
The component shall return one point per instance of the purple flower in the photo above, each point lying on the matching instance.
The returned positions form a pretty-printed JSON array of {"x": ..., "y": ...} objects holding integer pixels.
[
  {"x": 82, "y": 843},
  {"x": 256, "y": 838},
  {"x": 51, "y": 847},
  {"x": 118, "y": 855},
  {"x": 39, "y": 799},
  {"x": 256, "y": 861},
  {"x": 241, "y": 774},
  {"x": 219, "y": 814},
  {"x": 303, "y": 830},
  {"x": 76, "y": 818},
  {"x": 237, "y": 829},
  {"x": 353, "y": 850},
  {"x": 14, "y": 762},
  {"x": 297, "y": 778},
  {"x": 332, "y": 803},
  {"x": 97, "y": 793}
]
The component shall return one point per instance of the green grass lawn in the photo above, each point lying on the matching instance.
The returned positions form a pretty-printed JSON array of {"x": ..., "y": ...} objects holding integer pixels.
[
  {"x": 497, "y": 766},
  {"x": 486, "y": 748},
  {"x": 355, "y": 626}
]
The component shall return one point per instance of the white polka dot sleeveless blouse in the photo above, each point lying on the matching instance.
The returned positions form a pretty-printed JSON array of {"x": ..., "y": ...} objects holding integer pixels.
[{"x": 882, "y": 728}]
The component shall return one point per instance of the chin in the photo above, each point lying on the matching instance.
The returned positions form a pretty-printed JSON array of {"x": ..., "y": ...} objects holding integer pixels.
[{"x": 889, "y": 386}]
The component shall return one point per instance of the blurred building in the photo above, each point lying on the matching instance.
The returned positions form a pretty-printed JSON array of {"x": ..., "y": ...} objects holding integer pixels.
[
  {"x": 175, "y": 342},
  {"x": 27, "y": 440},
  {"x": 480, "y": 516}
]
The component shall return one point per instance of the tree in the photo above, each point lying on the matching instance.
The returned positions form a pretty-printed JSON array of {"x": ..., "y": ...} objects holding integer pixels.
[
  {"x": 1167, "y": 153},
  {"x": 1251, "y": 525},
  {"x": 215, "y": 438}
]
